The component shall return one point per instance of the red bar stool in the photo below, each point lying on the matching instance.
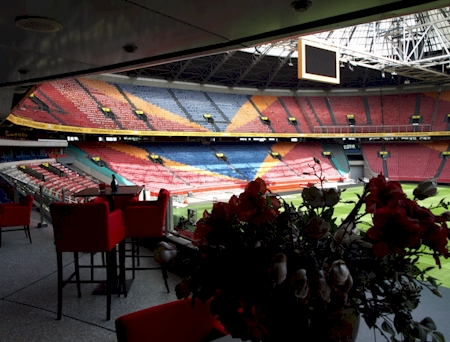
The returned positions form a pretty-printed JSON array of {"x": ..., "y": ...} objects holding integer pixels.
[
  {"x": 89, "y": 228},
  {"x": 145, "y": 219},
  {"x": 16, "y": 214}
]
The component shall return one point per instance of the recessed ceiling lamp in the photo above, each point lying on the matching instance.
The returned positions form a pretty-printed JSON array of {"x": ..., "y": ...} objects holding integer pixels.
[
  {"x": 301, "y": 5},
  {"x": 130, "y": 48},
  {"x": 23, "y": 71},
  {"x": 37, "y": 24}
]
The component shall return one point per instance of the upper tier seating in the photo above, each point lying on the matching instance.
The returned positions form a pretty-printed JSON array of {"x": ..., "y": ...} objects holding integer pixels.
[
  {"x": 345, "y": 105},
  {"x": 398, "y": 109},
  {"x": 81, "y": 110},
  {"x": 295, "y": 111},
  {"x": 270, "y": 107},
  {"x": 110, "y": 97},
  {"x": 196, "y": 105},
  {"x": 78, "y": 103}
]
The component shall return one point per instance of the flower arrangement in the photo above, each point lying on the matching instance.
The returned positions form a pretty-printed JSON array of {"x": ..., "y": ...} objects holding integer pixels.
[{"x": 273, "y": 271}]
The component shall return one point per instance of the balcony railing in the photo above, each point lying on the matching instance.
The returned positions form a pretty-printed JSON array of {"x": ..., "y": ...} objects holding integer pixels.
[{"x": 372, "y": 129}]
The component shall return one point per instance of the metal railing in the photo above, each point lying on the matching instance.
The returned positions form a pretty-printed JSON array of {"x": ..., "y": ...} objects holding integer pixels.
[{"x": 372, "y": 129}]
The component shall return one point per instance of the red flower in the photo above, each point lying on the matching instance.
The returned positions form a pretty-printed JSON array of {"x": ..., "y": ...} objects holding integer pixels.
[
  {"x": 382, "y": 192},
  {"x": 256, "y": 187},
  {"x": 219, "y": 211},
  {"x": 393, "y": 230},
  {"x": 202, "y": 229},
  {"x": 436, "y": 238}
]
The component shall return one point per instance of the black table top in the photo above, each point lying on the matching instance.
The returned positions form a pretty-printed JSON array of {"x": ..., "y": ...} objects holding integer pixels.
[{"x": 121, "y": 191}]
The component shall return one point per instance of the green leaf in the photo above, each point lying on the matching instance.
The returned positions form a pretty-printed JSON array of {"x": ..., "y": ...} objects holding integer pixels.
[
  {"x": 437, "y": 337},
  {"x": 388, "y": 328},
  {"x": 410, "y": 305},
  {"x": 422, "y": 333},
  {"x": 429, "y": 323},
  {"x": 432, "y": 281}
]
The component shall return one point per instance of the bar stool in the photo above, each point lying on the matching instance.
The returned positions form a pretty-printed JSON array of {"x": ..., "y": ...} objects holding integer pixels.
[
  {"x": 145, "y": 219},
  {"x": 89, "y": 228},
  {"x": 16, "y": 214}
]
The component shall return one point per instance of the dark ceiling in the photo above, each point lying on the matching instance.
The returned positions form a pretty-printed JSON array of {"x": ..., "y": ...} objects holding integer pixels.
[{"x": 93, "y": 33}]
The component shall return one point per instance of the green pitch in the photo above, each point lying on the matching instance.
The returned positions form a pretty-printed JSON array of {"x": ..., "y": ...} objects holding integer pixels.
[{"x": 342, "y": 210}]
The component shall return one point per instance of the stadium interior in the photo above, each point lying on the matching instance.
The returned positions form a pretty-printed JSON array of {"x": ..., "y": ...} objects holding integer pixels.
[{"x": 199, "y": 100}]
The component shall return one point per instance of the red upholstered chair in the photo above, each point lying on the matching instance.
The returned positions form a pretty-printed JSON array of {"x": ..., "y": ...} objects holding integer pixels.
[
  {"x": 89, "y": 228},
  {"x": 178, "y": 321},
  {"x": 16, "y": 214},
  {"x": 120, "y": 202},
  {"x": 145, "y": 219}
]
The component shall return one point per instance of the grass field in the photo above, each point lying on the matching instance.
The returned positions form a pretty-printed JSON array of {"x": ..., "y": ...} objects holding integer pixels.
[{"x": 342, "y": 210}]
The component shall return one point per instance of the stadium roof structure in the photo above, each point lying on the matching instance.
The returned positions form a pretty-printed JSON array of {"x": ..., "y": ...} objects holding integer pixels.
[{"x": 409, "y": 49}]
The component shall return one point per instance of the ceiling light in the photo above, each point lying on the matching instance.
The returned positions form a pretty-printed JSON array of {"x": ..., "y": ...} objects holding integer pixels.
[
  {"x": 393, "y": 73},
  {"x": 23, "y": 71},
  {"x": 301, "y": 5},
  {"x": 290, "y": 63},
  {"x": 37, "y": 24},
  {"x": 130, "y": 48}
]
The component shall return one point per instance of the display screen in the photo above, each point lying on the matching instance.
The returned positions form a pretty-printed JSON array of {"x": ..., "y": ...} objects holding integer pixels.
[{"x": 320, "y": 62}]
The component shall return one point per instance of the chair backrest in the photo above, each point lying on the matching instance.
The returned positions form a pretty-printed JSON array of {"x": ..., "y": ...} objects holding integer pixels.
[
  {"x": 120, "y": 202},
  {"x": 28, "y": 201},
  {"x": 86, "y": 227},
  {"x": 177, "y": 321},
  {"x": 163, "y": 202},
  {"x": 17, "y": 213},
  {"x": 146, "y": 218}
]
